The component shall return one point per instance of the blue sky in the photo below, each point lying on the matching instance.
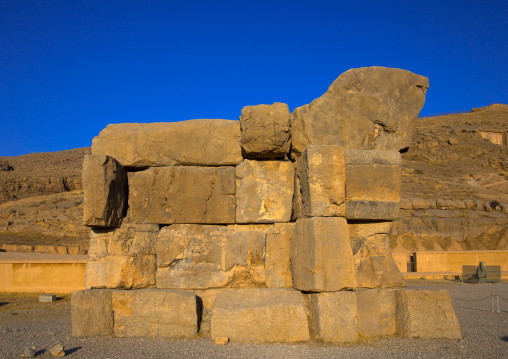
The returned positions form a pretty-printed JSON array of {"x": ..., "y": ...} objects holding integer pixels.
[{"x": 69, "y": 68}]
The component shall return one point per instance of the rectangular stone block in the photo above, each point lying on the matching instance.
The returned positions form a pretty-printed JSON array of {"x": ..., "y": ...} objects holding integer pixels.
[
  {"x": 387, "y": 311},
  {"x": 260, "y": 315},
  {"x": 373, "y": 261},
  {"x": 278, "y": 254},
  {"x": 155, "y": 313},
  {"x": 333, "y": 316},
  {"x": 265, "y": 131},
  {"x": 373, "y": 181},
  {"x": 121, "y": 272},
  {"x": 92, "y": 313},
  {"x": 321, "y": 177},
  {"x": 426, "y": 314},
  {"x": 104, "y": 191},
  {"x": 264, "y": 191},
  {"x": 168, "y": 195},
  {"x": 202, "y": 256},
  {"x": 321, "y": 256},
  {"x": 369, "y": 324},
  {"x": 206, "y": 142}
]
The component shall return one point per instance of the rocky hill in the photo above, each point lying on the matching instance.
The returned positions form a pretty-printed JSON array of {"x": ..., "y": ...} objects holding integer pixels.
[{"x": 454, "y": 190}]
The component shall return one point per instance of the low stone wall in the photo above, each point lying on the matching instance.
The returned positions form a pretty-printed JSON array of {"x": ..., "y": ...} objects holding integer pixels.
[{"x": 20, "y": 272}]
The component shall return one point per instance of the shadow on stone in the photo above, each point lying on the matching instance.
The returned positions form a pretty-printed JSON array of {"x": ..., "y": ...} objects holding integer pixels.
[
  {"x": 3, "y": 303},
  {"x": 199, "y": 310}
]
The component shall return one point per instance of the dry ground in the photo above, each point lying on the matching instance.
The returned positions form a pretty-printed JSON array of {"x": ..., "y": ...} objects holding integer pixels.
[{"x": 26, "y": 322}]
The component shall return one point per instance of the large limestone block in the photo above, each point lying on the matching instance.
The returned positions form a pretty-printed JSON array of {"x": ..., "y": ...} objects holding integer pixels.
[
  {"x": 190, "y": 194},
  {"x": 369, "y": 324},
  {"x": 366, "y": 108},
  {"x": 104, "y": 191},
  {"x": 321, "y": 182},
  {"x": 155, "y": 313},
  {"x": 202, "y": 256},
  {"x": 321, "y": 256},
  {"x": 426, "y": 314},
  {"x": 373, "y": 181},
  {"x": 333, "y": 316},
  {"x": 265, "y": 131},
  {"x": 264, "y": 191},
  {"x": 278, "y": 254},
  {"x": 373, "y": 261},
  {"x": 123, "y": 257},
  {"x": 207, "y": 142},
  {"x": 121, "y": 272},
  {"x": 260, "y": 315},
  {"x": 92, "y": 313},
  {"x": 388, "y": 311}
]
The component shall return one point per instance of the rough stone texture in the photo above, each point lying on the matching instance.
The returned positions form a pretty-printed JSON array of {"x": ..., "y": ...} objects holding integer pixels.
[
  {"x": 260, "y": 315},
  {"x": 387, "y": 311},
  {"x": 190, "y": 194},
  {"x": 333, "y": 316},
  {"x": 277, "y": 262},
  {"x": 366, "y": 108},
  {"x": 320, "y": 182},
  {"x": 369, "y": 325},
  {"x": 105, "y": 191},
  {"x": 155, "y": 313},
  {"x": 123, "y": 257},
  {"x": 122, "y": 272},
  {"x": 373, "y": 184},
  {"x": 264, "y": 191},
  {"x": 201, "y": 256},
  {"x": 198, "y": 142},
  {"x": 374, "y": 264},
  {"x": 92, "y": 313},
  {"x": 265, "y": 131},
  {"x": 426, "y": 314},
  {"x": 321, "y": 256}
]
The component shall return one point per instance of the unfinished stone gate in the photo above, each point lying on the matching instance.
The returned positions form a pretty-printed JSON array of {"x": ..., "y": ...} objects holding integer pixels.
[{"x": 268, "y": 229}]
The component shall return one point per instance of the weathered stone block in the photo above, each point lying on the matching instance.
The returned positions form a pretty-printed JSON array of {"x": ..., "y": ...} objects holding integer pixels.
[
  {"x": 264, "y": 191},
  {"x": 373, "y": 184},
  {"x": 374, "y": 264},
  {"x": 190, "y": 194},
  {"x": 155, "y": 313},
  {"x": 265, "y": 131},
  {"x": 104, "y": 191},
  {"x": 333, "y": 316},
  {"x": 321, "y": 177},
  {"x": 277, "y": 262},
  {"x": 202, "y": 256},
  {"x": 387, "y": 311},
  {"x": 321, "y": 256},
  {"x": 366, "y": 108},
  {"x": 92, "y": 313},
  {"x": 426, "y": 314},
  {"x": 369, "y": 325},
  {"x": 260, "y": 315},
  {"x": 207, "y": 142},
  {"x": 122, "y": 272}
]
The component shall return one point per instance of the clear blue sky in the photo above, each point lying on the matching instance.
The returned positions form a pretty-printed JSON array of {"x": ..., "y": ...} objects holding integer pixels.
[{"x": 69, "y": 68}]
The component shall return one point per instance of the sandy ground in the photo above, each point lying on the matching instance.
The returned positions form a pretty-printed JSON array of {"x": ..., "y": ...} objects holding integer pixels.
[{"x": 26, "y": 322}]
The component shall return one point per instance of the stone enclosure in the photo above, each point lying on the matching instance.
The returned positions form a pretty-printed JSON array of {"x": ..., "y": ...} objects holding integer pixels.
[{"x": 268, "y": 229}]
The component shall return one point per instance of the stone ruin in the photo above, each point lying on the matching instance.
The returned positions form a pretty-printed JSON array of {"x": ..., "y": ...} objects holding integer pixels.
[{"x": 268, "y": 229}]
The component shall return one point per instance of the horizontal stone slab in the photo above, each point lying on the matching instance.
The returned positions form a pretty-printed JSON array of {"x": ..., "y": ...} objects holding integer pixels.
[
  {"x": 260, "y": 315},
  {"x": 206, "y": 142},
  {"x": 155, "y": 313}
]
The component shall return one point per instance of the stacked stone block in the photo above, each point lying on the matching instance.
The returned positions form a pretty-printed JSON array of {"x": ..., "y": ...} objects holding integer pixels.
[{"x": 226, "y": 236}]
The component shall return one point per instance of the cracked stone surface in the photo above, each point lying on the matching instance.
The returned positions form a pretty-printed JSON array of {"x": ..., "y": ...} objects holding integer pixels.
[
  {"x": 174, "y": 194},
  {"x": 207, "y": 142}
]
